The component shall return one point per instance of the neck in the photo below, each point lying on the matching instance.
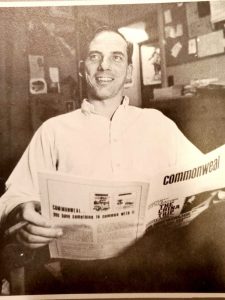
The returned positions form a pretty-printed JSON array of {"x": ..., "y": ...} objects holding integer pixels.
[{"x": 106, "y": 107}]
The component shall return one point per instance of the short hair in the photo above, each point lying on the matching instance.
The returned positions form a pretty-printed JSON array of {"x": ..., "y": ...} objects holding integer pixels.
[{"x": 109, "y": 29}]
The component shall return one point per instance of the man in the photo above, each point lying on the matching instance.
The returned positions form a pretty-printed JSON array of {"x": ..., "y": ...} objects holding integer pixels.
[{"x": 105, "y": 139}]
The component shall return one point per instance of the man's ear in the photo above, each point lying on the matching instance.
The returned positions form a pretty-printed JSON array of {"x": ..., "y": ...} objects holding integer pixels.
[
  {"x": 81, "y": 69},
  {"x": 129, "y": 73}
]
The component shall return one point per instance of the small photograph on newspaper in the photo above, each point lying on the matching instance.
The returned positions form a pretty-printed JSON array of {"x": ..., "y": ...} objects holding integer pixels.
[{"x": 192, "y": 206}]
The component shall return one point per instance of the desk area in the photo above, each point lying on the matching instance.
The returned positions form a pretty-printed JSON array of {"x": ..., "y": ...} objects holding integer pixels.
[{"x": 201, "y": 118}]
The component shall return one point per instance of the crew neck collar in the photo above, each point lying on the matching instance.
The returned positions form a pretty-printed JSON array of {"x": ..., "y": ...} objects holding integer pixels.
[{"x": 87, "y": 108}]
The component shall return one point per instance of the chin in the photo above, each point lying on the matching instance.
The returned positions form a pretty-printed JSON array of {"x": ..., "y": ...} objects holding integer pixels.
[{"x": 102, "y": 96}]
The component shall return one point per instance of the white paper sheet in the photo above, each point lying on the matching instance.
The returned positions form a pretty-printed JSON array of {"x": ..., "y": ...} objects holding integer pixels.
[{"x": 211, "y": 43}]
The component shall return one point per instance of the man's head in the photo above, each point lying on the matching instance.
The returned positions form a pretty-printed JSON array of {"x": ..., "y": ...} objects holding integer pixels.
[{"x": 107, "y": 64}]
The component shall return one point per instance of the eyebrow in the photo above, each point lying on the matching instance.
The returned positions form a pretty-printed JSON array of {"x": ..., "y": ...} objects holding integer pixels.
[
  {"x": 114, "y": 52},
  {"x": 94, "y": 51},
  {"x": 118, "y": 53}
]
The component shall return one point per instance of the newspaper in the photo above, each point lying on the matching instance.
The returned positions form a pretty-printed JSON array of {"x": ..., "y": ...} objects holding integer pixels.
[
  {"x": 99, "y": 218},
  {"x": 102, "y": 218},
  {"x": 178, "y": 195}
]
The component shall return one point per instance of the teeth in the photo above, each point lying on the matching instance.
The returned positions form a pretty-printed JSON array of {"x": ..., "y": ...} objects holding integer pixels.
[{"x": 104, "y": 79}]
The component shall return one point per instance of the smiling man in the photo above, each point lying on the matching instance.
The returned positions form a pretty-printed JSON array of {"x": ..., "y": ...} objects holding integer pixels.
[
  {"x": 107, "y": 68},
  {"x": 105, "y": 139}
]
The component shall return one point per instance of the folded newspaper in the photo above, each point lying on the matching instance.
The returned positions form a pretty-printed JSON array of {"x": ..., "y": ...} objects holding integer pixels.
[{"x": 102, "y": 218}]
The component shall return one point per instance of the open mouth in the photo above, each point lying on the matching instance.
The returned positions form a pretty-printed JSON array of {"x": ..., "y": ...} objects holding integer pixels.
[{"x": 104, "y": 80}]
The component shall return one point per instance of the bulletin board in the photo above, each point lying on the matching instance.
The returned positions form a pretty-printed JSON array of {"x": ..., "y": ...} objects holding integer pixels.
[
  {"x": 189, "y": 34},
  {"x": 51, "y": 50}
]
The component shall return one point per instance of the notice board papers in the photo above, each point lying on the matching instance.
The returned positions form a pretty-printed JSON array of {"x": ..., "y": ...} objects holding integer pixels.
[{"x": 211, "y": 43}]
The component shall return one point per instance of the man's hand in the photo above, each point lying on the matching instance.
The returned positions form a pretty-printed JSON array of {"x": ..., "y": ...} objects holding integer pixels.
[{"x": 38, "y": 231}]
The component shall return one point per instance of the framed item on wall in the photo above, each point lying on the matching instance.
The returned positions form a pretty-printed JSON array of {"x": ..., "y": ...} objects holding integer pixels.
[{"x": 150, "y": 64}]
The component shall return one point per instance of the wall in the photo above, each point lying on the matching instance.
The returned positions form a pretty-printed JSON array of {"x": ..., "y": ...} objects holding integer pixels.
[
  {"x": 94, "y": 12},
  {"x": 4, "y": 108},
  {"x": 18, "y": 117},
  {"x": 15, "y": 129},
  {"x": 196, "y": 22},
  {"x": 134, "y": 91},
  {"x": 206, "y": 68},
  {"x": 127, "y": 14}
]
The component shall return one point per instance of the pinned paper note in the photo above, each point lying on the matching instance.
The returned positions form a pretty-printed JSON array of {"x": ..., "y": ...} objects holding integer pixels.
[
  {"x": 167, "y": 31},
  {"x": 54, "y": 86},
  {"x": 176, "y": 49},
  {"x": 54, "y": 74},
  {"x": 167, "y": 16},
  {"x": 192, "y": 47},
  {"x": 217, "y": 9},
  {"x": 37, "y": 82},
  {"x": 211, "y": 43},
  {"x": 179, "y": 30},
  {"x": 38, "y": 86},
  {"x": 36, "y": 64},
  {"x": 170, "y": 32}
]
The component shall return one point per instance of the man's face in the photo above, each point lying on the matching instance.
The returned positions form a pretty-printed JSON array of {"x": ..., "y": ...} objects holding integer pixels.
[{"x": 106, "y": 66}]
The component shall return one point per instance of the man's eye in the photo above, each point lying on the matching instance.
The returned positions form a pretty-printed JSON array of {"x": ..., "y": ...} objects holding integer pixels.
[
  {"x": 117, "y": 58},
  {"x": 95, "y": 57}
]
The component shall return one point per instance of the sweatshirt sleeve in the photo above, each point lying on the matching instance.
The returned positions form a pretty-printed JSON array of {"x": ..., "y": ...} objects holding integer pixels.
[
  {"x": 22, "y": 185},
  {"x": 175, "y": 148}
]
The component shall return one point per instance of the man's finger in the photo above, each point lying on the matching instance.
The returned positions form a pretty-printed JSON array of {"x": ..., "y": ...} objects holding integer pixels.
[
  {"x": 33, "y": 239},
  {"x": 221, "y": 195},
  {"x": 43, "y": 231},
  {"x": 29, "y": 245},
  {"x": 30, "y": 215}
]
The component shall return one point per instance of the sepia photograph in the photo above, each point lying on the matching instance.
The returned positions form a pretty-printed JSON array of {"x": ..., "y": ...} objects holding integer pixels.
[{"x": 112, "y": 143}]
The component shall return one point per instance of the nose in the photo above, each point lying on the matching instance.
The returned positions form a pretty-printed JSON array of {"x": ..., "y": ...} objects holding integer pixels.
[{"x": 104, "y": 63}]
